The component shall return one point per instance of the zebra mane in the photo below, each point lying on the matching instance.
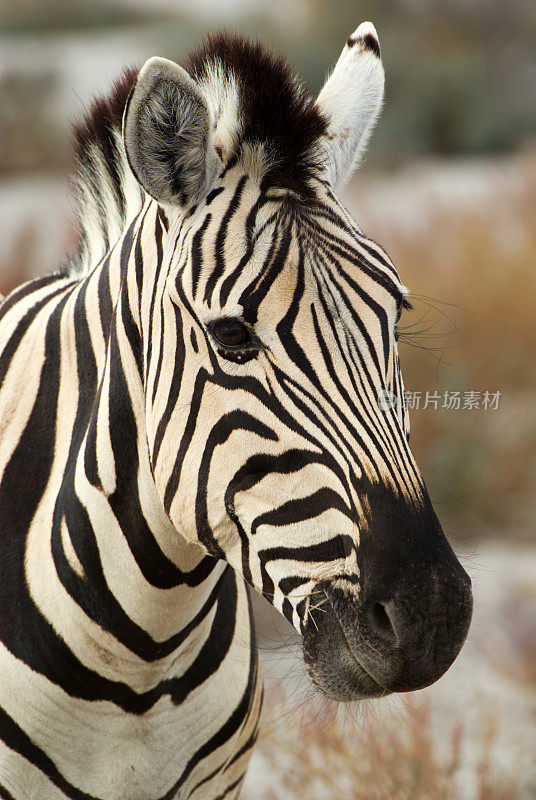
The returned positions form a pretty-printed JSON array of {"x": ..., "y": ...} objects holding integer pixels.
[
  {"x": 274, "y": 109},
  {"x": 271, "y": 114},
  {"x": 107, "y": 194}
]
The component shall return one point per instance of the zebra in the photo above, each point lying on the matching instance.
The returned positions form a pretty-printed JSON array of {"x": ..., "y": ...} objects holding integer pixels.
[{"x": 189, "y": 407}]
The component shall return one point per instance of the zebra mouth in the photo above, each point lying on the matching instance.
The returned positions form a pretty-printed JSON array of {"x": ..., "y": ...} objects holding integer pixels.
[
  {"x": 365, "y": 675},
  {"x": 331, "y": 664},
  {"x": 374, "y": 644},
  {"x": 337, "y": 684}
]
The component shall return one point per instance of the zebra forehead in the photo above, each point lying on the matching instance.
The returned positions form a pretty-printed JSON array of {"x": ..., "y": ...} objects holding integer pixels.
[{"x": 271, "y": 236}]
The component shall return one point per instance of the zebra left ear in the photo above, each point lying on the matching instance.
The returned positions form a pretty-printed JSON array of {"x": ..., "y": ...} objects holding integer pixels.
[
  {"x": 351, "y": 99},
  {"x": 167, "y": 132}
]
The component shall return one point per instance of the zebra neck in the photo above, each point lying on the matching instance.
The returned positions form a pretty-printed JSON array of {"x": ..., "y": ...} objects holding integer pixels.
[{"x": 114, "y": 547}]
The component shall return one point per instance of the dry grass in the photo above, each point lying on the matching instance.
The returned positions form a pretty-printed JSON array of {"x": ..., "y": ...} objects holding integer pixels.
[
  {"x": 481, "y": 267},
  {"x": 315, "y": 756}
]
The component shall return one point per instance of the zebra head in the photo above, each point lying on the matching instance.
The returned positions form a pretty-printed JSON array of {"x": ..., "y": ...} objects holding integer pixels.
[{"x": 277, "y": 435}]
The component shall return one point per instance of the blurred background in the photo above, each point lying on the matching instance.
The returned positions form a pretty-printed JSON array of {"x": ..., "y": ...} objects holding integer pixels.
[{"x": 449, "y": 188}]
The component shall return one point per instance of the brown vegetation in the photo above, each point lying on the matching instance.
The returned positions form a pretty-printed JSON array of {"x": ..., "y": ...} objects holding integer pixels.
[
  {"x": 315, "y": 756},
  {"x": 472, "y": 328}
]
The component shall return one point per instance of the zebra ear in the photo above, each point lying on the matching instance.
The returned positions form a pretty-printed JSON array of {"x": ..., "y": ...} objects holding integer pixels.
[
  {"x": 167, "y": 132},
  {"x": 351, "y": 99}
]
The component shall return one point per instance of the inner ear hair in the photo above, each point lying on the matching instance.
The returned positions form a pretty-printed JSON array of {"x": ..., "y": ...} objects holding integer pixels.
[{"x": 167, "y": 133}]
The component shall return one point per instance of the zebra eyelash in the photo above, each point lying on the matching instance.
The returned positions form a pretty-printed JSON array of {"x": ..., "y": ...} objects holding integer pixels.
[
  {"x": 404, "y": 305},
  {"x": 238, "y": 357}
]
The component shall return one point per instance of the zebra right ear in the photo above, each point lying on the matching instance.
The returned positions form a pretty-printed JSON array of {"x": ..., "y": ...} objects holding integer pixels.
[
  {"x": 167, "y": 132},
  {"x": 351, "y": 99}
]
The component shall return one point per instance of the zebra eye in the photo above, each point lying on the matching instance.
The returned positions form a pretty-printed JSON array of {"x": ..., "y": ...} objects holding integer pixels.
[{"x": 230, "y": 333}]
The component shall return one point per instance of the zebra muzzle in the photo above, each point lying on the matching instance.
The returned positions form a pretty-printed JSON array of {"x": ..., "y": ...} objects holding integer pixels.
[{"x": 364, "y": 645}]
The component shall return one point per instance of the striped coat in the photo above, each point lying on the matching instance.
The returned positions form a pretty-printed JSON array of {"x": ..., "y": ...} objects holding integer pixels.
[{"x": 190, "y": 406}]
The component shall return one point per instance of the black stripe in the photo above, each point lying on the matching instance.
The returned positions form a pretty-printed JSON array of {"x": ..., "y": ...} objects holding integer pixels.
[
  {"x": 302, "y": 509},
  {"x": 276, "y": 261},
  {"x": 104, "y": 294},
  {"x": 197, "y": 253},
  {"x": 159, "y": 258},
  {"x": 251, "y": 237},
  {"x": 18, "y": 741},
  {"x": 329, "y": 550},
  {"x": 226, "y": 425},
  {"x": 10, "y": 348},
  {"x": 219, "y": 245},
  {"x": 229, "y": 728},
  {"x": 28, "y": 288},
  {"x": 176, "y": 379}
]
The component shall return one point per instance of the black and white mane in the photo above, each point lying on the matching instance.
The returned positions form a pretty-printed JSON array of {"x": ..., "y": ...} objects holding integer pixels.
[{"x": 259, "y": 103}]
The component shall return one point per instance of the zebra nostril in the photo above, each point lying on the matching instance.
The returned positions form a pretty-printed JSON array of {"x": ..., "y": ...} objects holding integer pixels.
[{"x": 381, "y": 621}]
